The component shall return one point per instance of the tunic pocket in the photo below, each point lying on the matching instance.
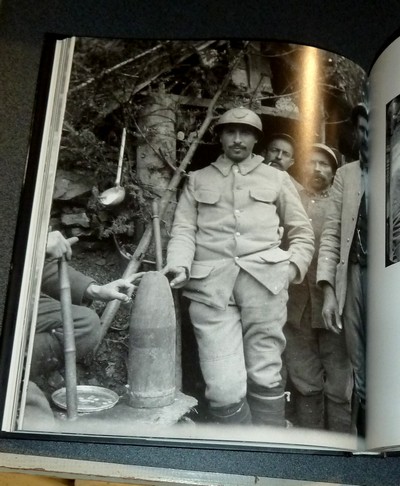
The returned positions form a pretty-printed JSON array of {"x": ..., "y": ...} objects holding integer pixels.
[
  {"x": 205, "y": 196},
  {"x": 277, "y": 276},
  {"x": 268, "y": 196},
  {"x": 199, "y": 271}
]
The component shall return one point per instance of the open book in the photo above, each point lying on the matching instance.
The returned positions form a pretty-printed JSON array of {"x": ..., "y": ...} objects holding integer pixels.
[{"x": 124, "y": 123}]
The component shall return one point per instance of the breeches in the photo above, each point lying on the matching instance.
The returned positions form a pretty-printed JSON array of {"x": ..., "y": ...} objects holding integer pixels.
[
  {"x": 241, "y": 346},
  {"x": 49, "y": 328},
  {"x": 354, "y": 323},
  {"x": 317, "y": 362}
]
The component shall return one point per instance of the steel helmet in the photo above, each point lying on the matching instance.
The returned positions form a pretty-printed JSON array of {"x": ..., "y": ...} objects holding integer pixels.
[
  {"x": 242, "y": 116},
  {"x": 321, "y": 147}
]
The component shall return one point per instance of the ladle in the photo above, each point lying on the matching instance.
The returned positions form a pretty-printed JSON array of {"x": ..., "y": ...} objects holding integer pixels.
[{"x": 116, "y": 194}]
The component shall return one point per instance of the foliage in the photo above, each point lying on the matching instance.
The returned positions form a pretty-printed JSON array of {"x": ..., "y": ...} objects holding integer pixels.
[{"x": 110, "y": 83}]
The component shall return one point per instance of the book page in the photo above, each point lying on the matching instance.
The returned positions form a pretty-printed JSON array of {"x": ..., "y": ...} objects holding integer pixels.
[
  {"x": 237, "y": 143},
  {"x": 384, "y": 303}
]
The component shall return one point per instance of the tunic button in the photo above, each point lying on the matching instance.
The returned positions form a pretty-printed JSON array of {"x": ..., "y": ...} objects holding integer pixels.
[
  {"x": 237, "y": 211},
  {"x": 236, "y": 258},
  {"x": 238, "y": 234}
]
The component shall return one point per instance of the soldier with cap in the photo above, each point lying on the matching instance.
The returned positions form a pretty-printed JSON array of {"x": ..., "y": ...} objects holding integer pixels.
[
  {"x": 225, "y": 252},
  {"x": 342, "y": 260},
  {"x": 280, "y": 151},
  {"x": 316, "y": 357}
]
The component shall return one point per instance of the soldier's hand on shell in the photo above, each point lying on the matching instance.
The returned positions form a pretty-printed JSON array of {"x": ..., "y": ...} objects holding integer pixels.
[{"x": 179, "y": 276}]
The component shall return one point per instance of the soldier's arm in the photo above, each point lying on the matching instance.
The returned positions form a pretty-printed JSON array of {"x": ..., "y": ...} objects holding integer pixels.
[{"x": 298, "y": 229}]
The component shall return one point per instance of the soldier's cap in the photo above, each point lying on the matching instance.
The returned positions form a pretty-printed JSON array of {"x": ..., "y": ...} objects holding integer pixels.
[
  {"x": 282, "y": 136},
  {"x": 328, "y": 151},
  {"x": 359, "y": 110}
]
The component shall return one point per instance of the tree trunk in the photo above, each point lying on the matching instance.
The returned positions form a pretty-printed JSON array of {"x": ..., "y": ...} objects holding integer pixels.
[{"x": 156, "y": 151}]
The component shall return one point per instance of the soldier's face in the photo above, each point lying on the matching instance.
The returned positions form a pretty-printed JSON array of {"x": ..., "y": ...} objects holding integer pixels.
[
  {"x": 319, "y": 171},
  {"x": 237, "y": 141},
  {"x": 279, "y": 154}
]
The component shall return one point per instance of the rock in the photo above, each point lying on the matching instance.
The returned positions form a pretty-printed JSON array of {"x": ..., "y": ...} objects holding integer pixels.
[
  {"x": 77, "y": 219},
  {"x": 100, "y": 262},
  {"x": 55, "y": 380},
  {"x": 69, "y": 185},
  {"x": 80, "y": 232}
]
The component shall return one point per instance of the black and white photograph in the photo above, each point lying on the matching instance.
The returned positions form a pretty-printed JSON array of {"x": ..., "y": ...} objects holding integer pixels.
[
  {"x": 393, "y": 181},
  {"x": 195, "y": 266}
]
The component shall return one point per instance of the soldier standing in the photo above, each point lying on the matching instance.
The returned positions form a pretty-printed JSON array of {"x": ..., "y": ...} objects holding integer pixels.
[
  {"x": 225, "y": 252},
  {"x": 342, "y": 261}
]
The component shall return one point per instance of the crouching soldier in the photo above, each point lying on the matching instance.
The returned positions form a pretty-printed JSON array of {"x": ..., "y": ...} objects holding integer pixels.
[{"x": 49, "y": 335}]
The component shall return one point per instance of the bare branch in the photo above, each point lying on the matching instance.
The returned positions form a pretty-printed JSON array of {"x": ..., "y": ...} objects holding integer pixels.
[{"x": 116, "y": 67}]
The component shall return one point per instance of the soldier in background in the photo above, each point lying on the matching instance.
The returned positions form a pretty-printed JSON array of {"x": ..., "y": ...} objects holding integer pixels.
[
  {"x": 316, "y": 357},
  {"x": 280, "y": 151},
  {"x": 342, "y": 261}
]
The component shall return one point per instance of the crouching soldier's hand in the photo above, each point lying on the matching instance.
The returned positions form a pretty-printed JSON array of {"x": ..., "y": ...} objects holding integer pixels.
[
  {"x": 118, "y": 289},
  {"x": 57, "y": 246},
  {"x": 179, "y": 275}
]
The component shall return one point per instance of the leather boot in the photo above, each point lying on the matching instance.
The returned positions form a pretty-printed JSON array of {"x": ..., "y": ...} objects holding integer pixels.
[
  {"x": 310, "y": 411},
  {"x": 237, "y": 413},
  {"x": 358, "y": 416},
  {"x": 361, "y": 419},
  {"x": 338, "y": 416},
  {"x": 268, "y": 410}
]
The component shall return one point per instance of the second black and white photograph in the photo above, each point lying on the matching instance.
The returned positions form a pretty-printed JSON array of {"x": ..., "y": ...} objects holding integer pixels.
[{"x": 393, "y": 181}]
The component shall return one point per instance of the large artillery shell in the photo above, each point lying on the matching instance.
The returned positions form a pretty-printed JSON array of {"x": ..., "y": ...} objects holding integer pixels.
[{"x": 152, "y": 344}]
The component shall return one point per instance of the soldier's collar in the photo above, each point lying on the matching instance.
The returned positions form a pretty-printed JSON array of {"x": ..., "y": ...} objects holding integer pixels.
[
  {"x": 224, "y": 164},
  {"x": 318, "y": 195}
]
